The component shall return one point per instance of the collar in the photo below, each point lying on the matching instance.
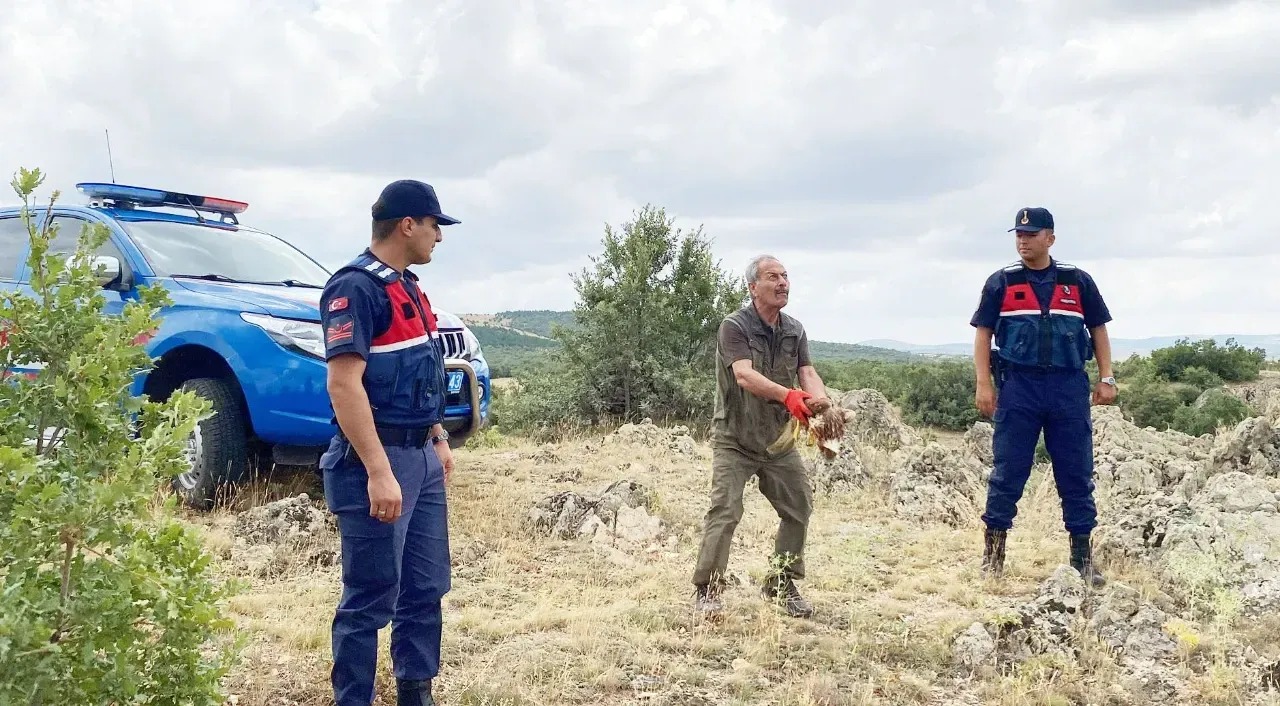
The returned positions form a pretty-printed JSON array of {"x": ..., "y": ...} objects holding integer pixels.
[
  {"x": 762, "y": 325},
  {"x": 386, "y": 272}
]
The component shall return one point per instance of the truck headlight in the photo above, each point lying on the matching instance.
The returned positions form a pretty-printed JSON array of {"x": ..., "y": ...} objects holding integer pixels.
[
  {"x": 304, "y": 336},
  {"x": 471, "y": 346}
]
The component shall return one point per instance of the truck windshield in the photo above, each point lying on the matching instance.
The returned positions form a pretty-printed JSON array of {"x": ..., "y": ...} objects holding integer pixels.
[{"x": 175, "y": 248}]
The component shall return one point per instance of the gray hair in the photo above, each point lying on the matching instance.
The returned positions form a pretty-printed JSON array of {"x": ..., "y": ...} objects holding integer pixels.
[{"x": 753, "y": 267}]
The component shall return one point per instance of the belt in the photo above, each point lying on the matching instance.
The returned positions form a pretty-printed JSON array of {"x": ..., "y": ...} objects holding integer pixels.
[{"x": 398, "y": 436}]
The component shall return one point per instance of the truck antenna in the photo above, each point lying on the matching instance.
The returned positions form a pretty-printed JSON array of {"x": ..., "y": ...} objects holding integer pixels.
[{"x": 110, "y": 161}]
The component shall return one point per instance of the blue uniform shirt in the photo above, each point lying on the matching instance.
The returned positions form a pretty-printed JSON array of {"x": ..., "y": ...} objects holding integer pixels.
[
  {"x": 370, "y": 309},
  {"x": 988, "y": 312}
]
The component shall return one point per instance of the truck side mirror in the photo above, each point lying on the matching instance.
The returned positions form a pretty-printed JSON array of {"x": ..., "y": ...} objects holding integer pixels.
[{"x": 107, "y": 268}]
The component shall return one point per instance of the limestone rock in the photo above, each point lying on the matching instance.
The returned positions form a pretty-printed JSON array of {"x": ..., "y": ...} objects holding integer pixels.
[
  {"x": 977, "y": 443},
  {"x": 1253, "y": 447},
  {"x": 974, "y": 647},
  {"x": 290, "y": 521},
  {"x": 619, "y": 516},
  {"x": 875, "y": 421},
  {"x": 648, "y": 435},
  {"x": 937, "y": 485}
]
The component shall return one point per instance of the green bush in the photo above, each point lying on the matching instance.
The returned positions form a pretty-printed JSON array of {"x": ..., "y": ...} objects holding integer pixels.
[
  {"x": 1216, "y": 409},
  {"x": 107, "y": 599},
  {"x": 1232, "y": 362},
  {"x": 937, "y": 393},
  {"x": 1180, "y": 387}
]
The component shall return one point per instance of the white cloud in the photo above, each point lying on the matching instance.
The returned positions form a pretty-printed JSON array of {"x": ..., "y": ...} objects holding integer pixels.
[{"x": 880, "y": 152}]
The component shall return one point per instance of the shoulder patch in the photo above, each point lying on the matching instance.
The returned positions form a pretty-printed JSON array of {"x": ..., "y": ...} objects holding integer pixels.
[
  {"x": 338, "y": 304},
  {"x": 341, "y": 329}
]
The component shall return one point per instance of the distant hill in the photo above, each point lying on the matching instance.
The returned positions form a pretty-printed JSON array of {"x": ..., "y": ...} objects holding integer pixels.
[
  {"x": 537, "y": 322},
  {"x": 516, "y": 338},
  {"x": 491, "y": 336},
  {"x": 1121, "y": 348},
  {"x": 827, "y": 350}
]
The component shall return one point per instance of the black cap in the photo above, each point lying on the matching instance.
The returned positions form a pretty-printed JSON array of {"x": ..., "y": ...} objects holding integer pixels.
[
  {"x": 411, "y": 198},
  {"x": 1031, "y": 220}
]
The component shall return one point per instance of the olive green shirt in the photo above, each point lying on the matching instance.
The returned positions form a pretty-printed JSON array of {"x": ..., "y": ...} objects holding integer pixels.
[{"x": 743, "y": 421}]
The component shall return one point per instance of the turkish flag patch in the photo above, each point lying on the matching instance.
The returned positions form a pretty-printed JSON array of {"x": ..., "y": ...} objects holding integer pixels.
[{"x": 338, "y": 304}]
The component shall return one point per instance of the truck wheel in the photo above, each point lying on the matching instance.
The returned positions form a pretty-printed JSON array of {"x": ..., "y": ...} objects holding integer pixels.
[{"x": 218, "y": 449}]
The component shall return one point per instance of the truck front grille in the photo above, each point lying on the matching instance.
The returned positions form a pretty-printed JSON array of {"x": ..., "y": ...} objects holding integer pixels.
[{"x": 454, "y": 343}]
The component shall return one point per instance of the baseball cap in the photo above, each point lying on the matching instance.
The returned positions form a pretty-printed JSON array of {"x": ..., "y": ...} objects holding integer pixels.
[
  {"x": 1030, "y": 220},
  {"x": 411, "y": 198}
]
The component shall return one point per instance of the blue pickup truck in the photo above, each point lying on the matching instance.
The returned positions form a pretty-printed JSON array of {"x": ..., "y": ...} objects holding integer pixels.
[{"x": 243, "y": 329}]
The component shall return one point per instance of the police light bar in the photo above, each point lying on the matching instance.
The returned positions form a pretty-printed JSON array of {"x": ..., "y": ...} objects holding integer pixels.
[{"x": 142, "y": 196}]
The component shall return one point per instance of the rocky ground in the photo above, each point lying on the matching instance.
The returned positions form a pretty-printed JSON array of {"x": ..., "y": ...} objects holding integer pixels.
[{"x": 572, "y": 560}]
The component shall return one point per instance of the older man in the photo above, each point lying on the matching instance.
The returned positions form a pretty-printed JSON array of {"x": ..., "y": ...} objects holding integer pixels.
[{"x": 761, "y": 356}]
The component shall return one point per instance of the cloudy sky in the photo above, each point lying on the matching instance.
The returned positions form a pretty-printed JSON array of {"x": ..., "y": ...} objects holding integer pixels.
[{"x": 880, "y": 153}]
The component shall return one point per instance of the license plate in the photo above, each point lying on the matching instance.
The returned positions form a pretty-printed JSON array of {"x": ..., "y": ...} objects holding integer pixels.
[{"x": 455, "y": 381}]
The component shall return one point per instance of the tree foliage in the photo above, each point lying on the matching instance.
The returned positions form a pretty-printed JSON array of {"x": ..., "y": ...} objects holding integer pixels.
[
  {"x": 1181, "y": 386},
  {"x": 643, "y": 339},
  {"x": 1231, "y": 363},
  {"x": 937, "y": 393},
  {"x": 107, "y": 598}
]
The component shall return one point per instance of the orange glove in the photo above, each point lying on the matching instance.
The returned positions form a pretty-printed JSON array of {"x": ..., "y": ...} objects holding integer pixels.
[{"x": 796, "y": 406}]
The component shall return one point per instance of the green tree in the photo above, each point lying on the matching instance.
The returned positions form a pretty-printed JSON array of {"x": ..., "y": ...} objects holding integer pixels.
[
  {"x": 107, "y": 598},
  {"x": 643, "y": 339},
  {"x": 1232, "y": 362}
]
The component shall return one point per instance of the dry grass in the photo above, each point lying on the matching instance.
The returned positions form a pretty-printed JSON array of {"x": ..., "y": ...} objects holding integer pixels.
[{"x": 533, "y": 620}]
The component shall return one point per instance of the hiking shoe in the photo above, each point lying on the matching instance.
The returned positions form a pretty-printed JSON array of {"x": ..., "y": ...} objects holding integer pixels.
[
  {"x": 993, "y": 553},
  {"x": 1082, "y": 561},
  {"x": 707, "y": 602},
  {"x": 784, "y": 590}
]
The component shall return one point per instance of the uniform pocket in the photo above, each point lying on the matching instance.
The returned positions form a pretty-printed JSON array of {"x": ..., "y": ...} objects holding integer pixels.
[
  {"x": 368, "y": 552},
  {"x": 429, "y": 383},
  {"x": 1068, "y": 337},
  {"x": 381, "y": 373}
]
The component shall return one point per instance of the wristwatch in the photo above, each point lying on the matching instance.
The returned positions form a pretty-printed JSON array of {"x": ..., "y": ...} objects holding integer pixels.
[
  {"x": 442, "y": 436},
  {"x": 1108, "y": 380}
]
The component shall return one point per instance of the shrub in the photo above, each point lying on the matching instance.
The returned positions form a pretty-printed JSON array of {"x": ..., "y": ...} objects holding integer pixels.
[{"x": 107, "y": 598}]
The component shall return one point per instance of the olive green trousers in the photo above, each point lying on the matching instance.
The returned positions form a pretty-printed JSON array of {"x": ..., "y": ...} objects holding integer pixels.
[{"x": 784, "y": 483}]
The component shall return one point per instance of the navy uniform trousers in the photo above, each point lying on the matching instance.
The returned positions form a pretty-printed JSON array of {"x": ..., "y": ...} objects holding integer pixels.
[
  {"x": 391, "y": 572},
  {"x": 1057, "y": 402}
]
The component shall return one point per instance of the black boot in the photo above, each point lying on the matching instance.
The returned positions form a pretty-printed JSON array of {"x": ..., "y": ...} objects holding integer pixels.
[
  {"x": 1082, "y": 561},
  {"x": 993, "y": 553},
  {"x": 414, "y": 693}
]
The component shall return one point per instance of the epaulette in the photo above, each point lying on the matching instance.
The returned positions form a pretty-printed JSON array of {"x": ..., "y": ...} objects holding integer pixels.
[
  {"x": 374, "y": 267},
  {"x": 1014, "y": 267},
  {"x": 1066, "y": 266}
]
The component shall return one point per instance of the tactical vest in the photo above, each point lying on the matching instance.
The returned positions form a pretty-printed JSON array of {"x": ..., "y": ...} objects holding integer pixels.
[
  {"x": 404, "y": 375},
  {"x": 741, "y": 420},
  {"x": 1031, "y": 334}
]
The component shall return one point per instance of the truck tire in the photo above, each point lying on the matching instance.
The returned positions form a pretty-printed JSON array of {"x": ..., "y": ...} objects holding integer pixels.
[{"x": 218, "y": 449}]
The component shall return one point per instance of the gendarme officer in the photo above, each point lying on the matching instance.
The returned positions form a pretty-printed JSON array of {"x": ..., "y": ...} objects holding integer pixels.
[
  {"x": 1048, "y": 319},
  {"x": 385, "y": 470}
]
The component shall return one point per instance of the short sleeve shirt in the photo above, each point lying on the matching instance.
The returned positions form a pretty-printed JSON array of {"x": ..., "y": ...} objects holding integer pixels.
[{"x": 987, "y": 315}]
